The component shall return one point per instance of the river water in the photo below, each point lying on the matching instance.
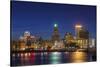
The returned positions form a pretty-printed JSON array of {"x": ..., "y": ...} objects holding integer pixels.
[{"x": 22, "y": 59}]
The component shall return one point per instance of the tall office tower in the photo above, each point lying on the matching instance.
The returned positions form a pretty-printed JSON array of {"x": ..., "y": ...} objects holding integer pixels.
[
  {"x": 83, "y": 34},
  {"x": 77, "y": 30},
  {"x": 55, "y": 35}
]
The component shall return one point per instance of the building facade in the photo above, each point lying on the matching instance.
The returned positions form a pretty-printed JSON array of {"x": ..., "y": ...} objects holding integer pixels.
[{"x": 82, "y": 36}]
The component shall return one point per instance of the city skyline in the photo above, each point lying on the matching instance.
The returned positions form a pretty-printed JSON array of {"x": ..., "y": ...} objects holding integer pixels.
[
  {"x": 37, "y": 19},
  {"x": 52, "y": 33}
]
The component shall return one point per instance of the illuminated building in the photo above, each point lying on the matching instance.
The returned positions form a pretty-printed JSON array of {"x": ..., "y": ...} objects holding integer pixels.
[
  {"x": 55, "y": 35},
  {"x": 26, "y": 33},
  {"x": 81, "y": 32},
  {"x": 82, "y": 36},
  {"x": 22, "y": 45},
  {"x": 58, "y": 45},
  {"x": 26, "y": 41},
  {"x": 82, "y": 43},
  {"x": 92, "y": 43},
  {"x": 14, "y": 45},
  {"x": 77, "y": 30},
  {"x": 69, "y": 37}
]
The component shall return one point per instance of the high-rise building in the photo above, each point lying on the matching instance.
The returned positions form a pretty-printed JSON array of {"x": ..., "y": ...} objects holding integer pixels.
[
  {"x": 77, "y": 30},
  {"x": 81, "y": 32},
  {"x": 55, "y": 35},
  {"x": 82, "y": 36}
]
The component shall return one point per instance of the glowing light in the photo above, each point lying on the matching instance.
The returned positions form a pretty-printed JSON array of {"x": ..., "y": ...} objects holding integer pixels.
[
  {"x": 23, "y": 48},
  {"x": 55, "y": 57},
  {"x": 21, "y": 54},
  {"x": 55, "y": 25},
  {"x": 78, "y": 26},
  {"x": 26, "y": 33},
  {"x": 26, "y": 54},
  {"x": 78, "y": 57},
  {"x": 55, "y": 53}
]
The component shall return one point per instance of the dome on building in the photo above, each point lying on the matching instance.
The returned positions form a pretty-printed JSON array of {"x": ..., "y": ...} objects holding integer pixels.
[{"x": 26, "y": 33}]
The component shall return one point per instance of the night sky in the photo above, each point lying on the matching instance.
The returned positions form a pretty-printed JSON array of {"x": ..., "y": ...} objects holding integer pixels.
[{"x": 39, "y": 18}]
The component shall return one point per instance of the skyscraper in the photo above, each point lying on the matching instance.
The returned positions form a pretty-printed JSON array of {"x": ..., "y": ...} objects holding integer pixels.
[
  {"x": 77, "y": 30},
  {"x": 82, "y": 36},
  {"x": 55, "y": 35},
  {"x": 83, "y": 33}
]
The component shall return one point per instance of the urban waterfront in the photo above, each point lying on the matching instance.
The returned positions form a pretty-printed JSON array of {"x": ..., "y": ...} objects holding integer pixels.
[
  {"x": 51, "y": 33},
  {"x": 21, "y": 59}
]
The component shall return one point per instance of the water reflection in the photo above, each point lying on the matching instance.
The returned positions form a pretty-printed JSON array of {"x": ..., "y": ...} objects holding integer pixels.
[
  {"x": 50, "y": 58},
  {"x": 78, "y": 57},
  {"x": 55, "y": 57}
]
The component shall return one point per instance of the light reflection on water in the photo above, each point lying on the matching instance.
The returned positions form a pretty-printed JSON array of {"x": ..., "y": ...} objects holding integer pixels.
[
  {"x": 49, "y": 58},
  {"x": 78, "y": 57},
  {"x": 55, "y": 57}
]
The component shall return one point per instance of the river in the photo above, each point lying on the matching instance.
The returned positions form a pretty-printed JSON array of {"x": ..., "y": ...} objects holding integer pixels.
[{"x": 33, "y": 58}]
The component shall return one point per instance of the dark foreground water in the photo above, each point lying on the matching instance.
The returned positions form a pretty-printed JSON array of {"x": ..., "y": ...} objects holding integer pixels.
[{"x": 20, "y": 59}]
